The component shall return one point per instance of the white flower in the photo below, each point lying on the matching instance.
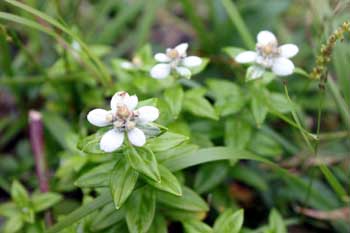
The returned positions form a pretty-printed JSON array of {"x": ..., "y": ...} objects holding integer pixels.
[
  {"x": 269, "y": 55},
  {"x": 124, "y": 118},
  {"x": 174, "y": 59}
]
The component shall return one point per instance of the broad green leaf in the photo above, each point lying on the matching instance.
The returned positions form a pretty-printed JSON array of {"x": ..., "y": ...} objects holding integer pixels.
[
  {"x": 279, "y": 103},
  {"x": 233, "y": 51},
  {"x": 210, "y": 175},
  {"x": 13, "y": 224},
  {"x": 173, "y": 152},
  {"x": 174, "y": 97},
  {"x": 237, "y": 133},
  {"x": 91, "y": 143},
  {"x": 140, "y": 210},
  {"x": 250, "y": 176},
  {"x": 122, "y": 182},
  {"x": 276, "y": 223},
  {"x": 229, "y": 222},
  {"x": 99, "y": 176},
  {"x": 158, "y": 225},
  {"x": 166, "y": 141},
  {"x": 195, "y": 226},
  {"x": 43, "y": 201},
  {"x": 229, "y": 99},
  {"x": 8, "y": 209},
  {"x": 168, "y": 182},
  {"x": 264, "y": 145},
  {"x": 189, "y": 200},
  {"x": 197, "y": 104},
  {"x": 107, "y": 217},
  {"x": 144, "y": 161},
  {"x": 19, "y": 194},
  {"x": 258, "y": 107}
]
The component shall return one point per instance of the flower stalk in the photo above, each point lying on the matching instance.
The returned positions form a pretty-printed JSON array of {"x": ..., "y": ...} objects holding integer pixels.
[{"x": 36, "y": 137}]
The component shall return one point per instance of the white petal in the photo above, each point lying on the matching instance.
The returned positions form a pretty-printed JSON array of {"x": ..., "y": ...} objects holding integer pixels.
[
  {"x": 137, "y": 137},
  {"x": 111, "y": 140},
  {"x": 266, "y": 37},
  {"x": 246, "y": 57},
  {"x": 160, "y": 71},
  {"x": 283, "y": 66},
  {"x": 288, "y": 50},
  {"x": 192, "y": 61},
  {"x": 183, "y": 71},
  {"x": 148, "y": 114},
  {"x": 99, "y": 117},
  {"x": 181, "y": 49},
  {"x": 162, "y": 57},
  {"x": 123, "y": 98}
]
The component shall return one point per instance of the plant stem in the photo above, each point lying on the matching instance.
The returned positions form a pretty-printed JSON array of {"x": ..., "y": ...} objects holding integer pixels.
[{"x": 36, "y": 136}]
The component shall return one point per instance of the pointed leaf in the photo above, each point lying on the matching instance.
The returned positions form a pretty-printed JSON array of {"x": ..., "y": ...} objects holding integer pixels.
[
  {"x": 140, "y": 210},
  {"x": 229, "y": 222},
  {"x": 122, "y": 182},
  {"x": 168, "y": 183},
  {"x": 189, "y": 200},
  {"x": 143, "y": 160}
]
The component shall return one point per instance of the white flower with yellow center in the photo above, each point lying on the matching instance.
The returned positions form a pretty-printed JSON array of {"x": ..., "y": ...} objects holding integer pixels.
[
  {"x": 269, "y": 55},
  {"x": 174, "y": 60},
  {"x": 125, "y": 119}
]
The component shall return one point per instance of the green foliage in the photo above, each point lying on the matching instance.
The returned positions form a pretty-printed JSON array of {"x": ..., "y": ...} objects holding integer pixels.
[{"x": 224, "y": 140}]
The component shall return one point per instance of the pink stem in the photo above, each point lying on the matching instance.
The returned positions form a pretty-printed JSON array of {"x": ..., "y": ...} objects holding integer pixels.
[{"x": 36, "y": 136}]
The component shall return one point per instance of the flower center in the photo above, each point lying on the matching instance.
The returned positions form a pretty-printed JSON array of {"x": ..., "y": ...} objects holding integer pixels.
[
  {"x": 173, "y": 53},
  {"x": 267, "y": 53},
  {"x": 123, "y": 119}
]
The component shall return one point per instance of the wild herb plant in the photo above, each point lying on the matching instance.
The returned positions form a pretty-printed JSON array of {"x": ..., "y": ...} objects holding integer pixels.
[{"x": 129, "y": 139}]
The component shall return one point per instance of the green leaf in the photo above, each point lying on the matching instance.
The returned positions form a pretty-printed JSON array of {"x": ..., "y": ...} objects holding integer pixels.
[
  {"x": 279, "y": 103},
  {"x": 276, "y": 223},
  {"x": 196, "y": 226},
  {"x": 237, "y": 133},
  {"x": 140, "y": 210},
  {"x": 158, "y": 225},
  {"x": 209, "y": 176},
  {"x": 8, "y": 209},
  {"x": 197, "y": 104},
  {"x": 81, "y": 212},
  {"x": 166, "y": 141},
  {"x": 258, "y": 106},
  {"x": 233, "y": 51},
  {"x": 174, "y": 97},
  {"x": 229, "y": 222},
  {"x": 144, "y": 161},
  {"x": 173, "y": 152},
  {"x": 99, "y": 176},
  {"x": 91, "y": 143},
  {"x": 229, "y": 99},
  {"x": 189, "y": 200},
  {"x": 43, "y": 201},
  {"x": 264, "y": 145},
  {"x": 19, "y": 194},
  {"x": 13, "y": 224},
  {"x": 107, "y": 217},
  {"x": 122, "y": 182},
  {"x": 168, "y": 183}
]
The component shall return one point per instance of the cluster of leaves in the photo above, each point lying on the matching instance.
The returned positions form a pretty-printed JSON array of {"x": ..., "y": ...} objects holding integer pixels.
[{"x": 68, "y": 70}]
